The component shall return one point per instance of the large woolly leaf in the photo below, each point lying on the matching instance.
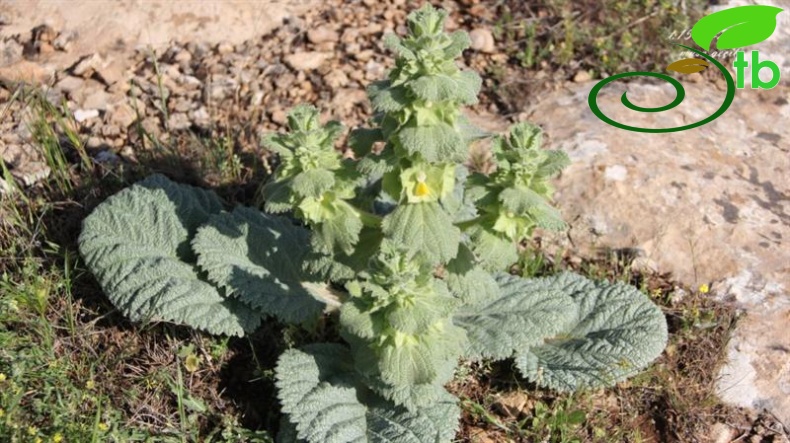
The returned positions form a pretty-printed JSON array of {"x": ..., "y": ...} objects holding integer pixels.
[
  {"x": 618, "y": 332},
  {"x": 423, "y": 228},
  {"x": 525, "y": 313},
  {"x": 258, "y": 258},
  {"x": 325, "y": 401},
  {"x": 137, "y": 245}
]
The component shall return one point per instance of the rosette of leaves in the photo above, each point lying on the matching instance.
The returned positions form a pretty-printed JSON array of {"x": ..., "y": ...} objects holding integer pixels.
[{"x": 400, "y": 244}]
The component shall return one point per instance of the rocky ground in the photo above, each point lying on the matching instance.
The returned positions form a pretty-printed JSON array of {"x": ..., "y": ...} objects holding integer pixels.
[{"x": 710, "y": 206}]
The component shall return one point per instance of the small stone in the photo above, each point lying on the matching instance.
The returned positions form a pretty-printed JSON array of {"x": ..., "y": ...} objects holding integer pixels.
[
  {"x": 95, "y": 142},
  {"x": 152, "y": 127},
  {"x": 121, "y": 115},
  {"x": 107, "y": 156},
  {"x": 224, "y": 48},
  {"x": 178, "y": 121},
  {"x": 111, "y": 131},
  {"x": 24, "y": 71},
  {"x": 336, "y": 79},
  {"x": 364, "y": 56},
  {"x": 87, "y": 65},
  {"x": 306, "y": 61},
  {"x": 63, "y": 42},
  {"x": 582, "y": 76},
  {"x": 97, "y": 100},
  {"x": 511, "y": 404},
  {"x": 279, "y": 116},
  {"x": 322, "y": 34},
  {"x": 201, "y": 118},
  {"x": 69, "y": 84},
  {"x": 45, "y": 48},
  {"x": 374, "y": 70},
  {"x": 181, "y": 105},
  {"x": 482, "y": 40},
  {"x": 721, "y": 433},
  {"x": 81, "y": 115},
  {"x": 110, "y": 73},
  {"x": 10, "y": 52}
]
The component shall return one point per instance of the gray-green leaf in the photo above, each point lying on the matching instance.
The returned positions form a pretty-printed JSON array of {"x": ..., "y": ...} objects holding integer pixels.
[
  {"x": 423, "y": 228},
  {"x": 525, "y": 313},
  {"x": 258, "y": 258},
  {"x": 326, "y": 402},
  {"x": 137, "y": 245},
  {"x": 618, "y": 332}
]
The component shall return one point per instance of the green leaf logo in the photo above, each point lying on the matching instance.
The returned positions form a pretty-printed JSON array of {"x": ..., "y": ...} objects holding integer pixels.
[{"x": 740, "y": 26}]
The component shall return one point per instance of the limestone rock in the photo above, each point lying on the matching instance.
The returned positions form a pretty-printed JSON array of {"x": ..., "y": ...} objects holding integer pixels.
[{"x": 709, "y": 205}]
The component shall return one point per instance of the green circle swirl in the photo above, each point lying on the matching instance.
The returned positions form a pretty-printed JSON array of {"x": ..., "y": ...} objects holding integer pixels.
[{"x": 680, "y": 95}]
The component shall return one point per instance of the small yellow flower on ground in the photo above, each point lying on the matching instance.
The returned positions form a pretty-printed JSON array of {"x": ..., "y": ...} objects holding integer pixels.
[
  {"x": 704, "y": 289},
  {"x": 57, "y": 438},
  {"x": 103, "y": 427},
  {"x": 192, "y": 363},
  {"x": 2, "y": 377},
  {"x": 90, "y": 384},
  {"x": 32, "y": 430}
]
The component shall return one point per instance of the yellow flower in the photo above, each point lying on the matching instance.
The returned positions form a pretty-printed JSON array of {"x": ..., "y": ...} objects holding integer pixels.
[
  {"x": 2, "y": 413},
  {"x": 38, "y": 440},
  {"x": 90, "y": 384},
  {"x": 103, "y": 427},
  {"x": 2, "y": 377},
  {"x": 57, "y": 438},
  {"x": 32, "y": 430},
  {"x": 192, "y": 363},
  {"x": 704, "y": 289}
]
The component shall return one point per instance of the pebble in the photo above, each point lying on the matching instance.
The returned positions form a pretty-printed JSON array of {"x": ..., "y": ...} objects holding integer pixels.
[
  {"x": 178, "y": 121},
  {"x": 97, "y": 100},
  {"x": 482, "y": 40},
  {"x": 322, "y": 34},
  {"x": 24, "y": 71},
  {"x": 69, "y": 83},
  {"x": 582, "y": 76},
  {"x": 87, "y": 65},
  {"x": 121, "y": 115},
  {"x": 81, "y": 115},
  {"x": 305, "y": 61}
]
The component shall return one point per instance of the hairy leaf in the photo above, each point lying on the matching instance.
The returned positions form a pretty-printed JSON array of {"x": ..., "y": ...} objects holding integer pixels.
[
  {"x": 258, "y": 258},
  {"x": 462, "y": 87},
  {"x": 387, "y": 98},
  {"x": 525, "y": 313},
  {"x": 618, "y": 332},
  {"x": 435, "y": 143},
  {"x": 326, "y": 401},
  {"x": 494, "y": 252},
  {"x": 137, "y": 245},
  {"x": 467, "y": 280},
  {"x": 423, "y": 228}
]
